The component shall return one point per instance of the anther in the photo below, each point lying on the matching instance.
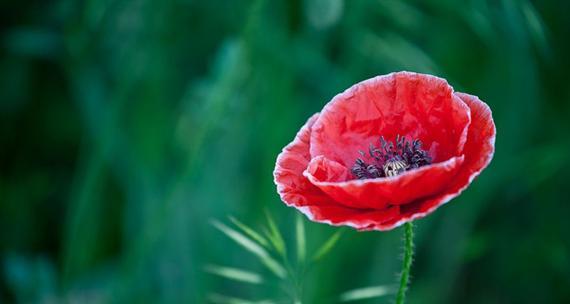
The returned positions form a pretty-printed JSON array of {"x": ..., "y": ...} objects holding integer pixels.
[{"x": 391, "y": 160}]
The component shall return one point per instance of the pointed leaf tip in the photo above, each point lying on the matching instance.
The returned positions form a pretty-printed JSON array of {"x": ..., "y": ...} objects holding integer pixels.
[
  {"x": 300, "y": 236},
  {"x": 327, "y": 246},
  {"x": 366, "y": 293},
  {"x": 234, "y": 274}
]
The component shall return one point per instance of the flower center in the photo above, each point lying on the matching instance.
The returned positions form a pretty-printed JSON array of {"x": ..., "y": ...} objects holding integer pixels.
[{"x": 391, "y": 160}]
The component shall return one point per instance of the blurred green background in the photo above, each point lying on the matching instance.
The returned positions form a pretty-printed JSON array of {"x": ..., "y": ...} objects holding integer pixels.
[{"x": 127, "y": 125}]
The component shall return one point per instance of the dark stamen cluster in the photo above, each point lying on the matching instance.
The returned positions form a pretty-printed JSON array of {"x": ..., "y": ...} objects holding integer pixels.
[{"x": 390, "y": 159}]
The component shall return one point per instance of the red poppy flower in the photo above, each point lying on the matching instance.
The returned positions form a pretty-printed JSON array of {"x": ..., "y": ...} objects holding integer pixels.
[{"x": 386, "y": 151}]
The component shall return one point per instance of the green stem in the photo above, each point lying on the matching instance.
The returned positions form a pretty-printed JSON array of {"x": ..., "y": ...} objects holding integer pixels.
[{"x": 407, "y": 263}]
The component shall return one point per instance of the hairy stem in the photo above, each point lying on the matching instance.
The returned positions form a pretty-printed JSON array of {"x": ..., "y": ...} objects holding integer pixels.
[{"x": 407, "y": 263}]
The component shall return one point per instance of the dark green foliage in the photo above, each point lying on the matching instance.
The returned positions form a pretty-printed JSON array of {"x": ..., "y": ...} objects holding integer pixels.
[{"x": 127, "y": 125}]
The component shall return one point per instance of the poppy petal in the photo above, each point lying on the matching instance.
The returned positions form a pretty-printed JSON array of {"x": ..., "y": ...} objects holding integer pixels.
[
  {"x": 356, "y": 218},
  {"x": 380, "y": 193},
  {"x": 312, "y": 173},
  {"x": 407, "y": 104},
  {"x": 479, "y": 151},
  {"x": 297, "y": 191},
  {"x": 293, "y": 188}
]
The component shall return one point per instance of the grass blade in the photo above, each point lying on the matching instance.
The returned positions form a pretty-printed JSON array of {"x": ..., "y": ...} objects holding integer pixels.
[
  {"x": 301, "y": 242},
  {"x": 234, "y": 274},
  {"x": 241, "y": 239},
  {"x": 327, "y": 246},
  {"x": 274, "y": 235},
  {"x": 252, "y": 247},
  {"x": 274, "y": 266},
  {"x": 366, "y": 293},
  {"x": 250, "y": 232},
  {"x": 222, "y": 299}
]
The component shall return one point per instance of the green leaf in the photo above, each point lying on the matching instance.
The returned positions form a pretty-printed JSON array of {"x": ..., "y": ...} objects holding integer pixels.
[
  {"x": 252, "y": 247},
  {"x": 274, "y": 266},
  {"x": 241, "y": 239},
  {"x": 366, "y": 293},
  {"x": 222, "y": 299},
  {"x": 250, "y": 232},
  {"x": 274, "y": 235},
  {"x": 301, "y": 242},
  {"x": 328, "y": 245},
  {"x": 234, "y": 274}
]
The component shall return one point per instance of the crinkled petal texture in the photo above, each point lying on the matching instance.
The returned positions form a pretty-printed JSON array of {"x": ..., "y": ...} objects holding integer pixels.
[{"x": 313, "y": 174}]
